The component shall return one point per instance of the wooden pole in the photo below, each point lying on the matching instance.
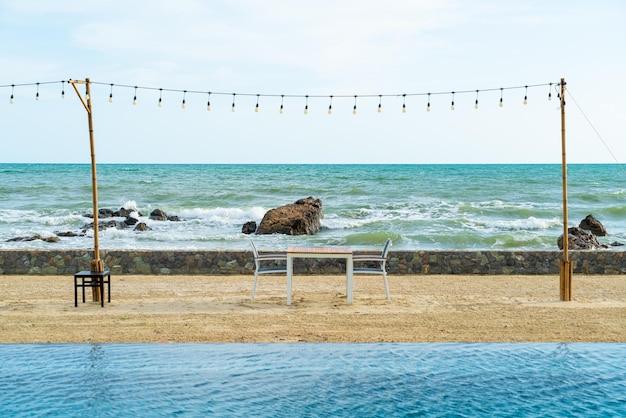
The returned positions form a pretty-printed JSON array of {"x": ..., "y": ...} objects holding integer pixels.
[
  {"x": 96, "y": 265},
  {"x": 566, "y": 266}
]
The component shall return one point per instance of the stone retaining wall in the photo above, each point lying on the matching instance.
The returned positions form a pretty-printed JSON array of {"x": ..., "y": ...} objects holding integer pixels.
[{"x": 241, "y": 262}]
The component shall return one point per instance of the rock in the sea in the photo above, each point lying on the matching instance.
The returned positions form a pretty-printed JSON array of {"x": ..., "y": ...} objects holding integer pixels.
[
  {"x": 579, "y": 239},
  {"x": 141, "y": 226},
  {"x": 595, "y": 226},
  {"x": 249, "y": 228},
  {"x": 130, "y": 220},
  {"x": 35, "y": 238},
  {"x": 158, "y": 215},
  {"x": 300, "y": 218}
]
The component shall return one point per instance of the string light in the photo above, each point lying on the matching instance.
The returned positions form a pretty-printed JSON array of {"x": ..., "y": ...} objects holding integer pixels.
[
  {"x": 550, "y": 92},
  {"x": 354, "y": 97},
  {"x": 184, "y": 104},
  {"x": 232, "y": 109},
  {"x": 282, "y": 96},
  {"x": 525, "y": 102}
]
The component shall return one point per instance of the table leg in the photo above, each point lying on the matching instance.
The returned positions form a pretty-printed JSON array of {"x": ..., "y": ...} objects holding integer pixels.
[
  {"x": 289, "y": 277},
  {"x": 349, "y": 278}
]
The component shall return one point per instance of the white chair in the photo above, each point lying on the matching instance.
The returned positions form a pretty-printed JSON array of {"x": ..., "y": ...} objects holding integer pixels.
[
  {"x": 380, "y": 262},
  {"x": 266, "y": 268}
]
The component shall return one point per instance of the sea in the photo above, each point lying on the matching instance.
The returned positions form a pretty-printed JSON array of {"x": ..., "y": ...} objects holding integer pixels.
[{"x": 420, "y": 207}]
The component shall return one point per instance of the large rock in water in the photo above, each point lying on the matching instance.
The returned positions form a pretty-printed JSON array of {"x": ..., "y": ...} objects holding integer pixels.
[
  {"x": 592, "y": 224},
  {"x": 300, "y": 218},
  {"x": 579, "y": 239}
]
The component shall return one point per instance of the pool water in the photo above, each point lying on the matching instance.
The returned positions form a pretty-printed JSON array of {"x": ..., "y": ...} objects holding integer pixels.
[{"x": 313, "y": 380}]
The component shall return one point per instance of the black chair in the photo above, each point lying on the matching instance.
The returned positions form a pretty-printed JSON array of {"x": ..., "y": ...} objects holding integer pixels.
[{"x": 92, "y": 279}]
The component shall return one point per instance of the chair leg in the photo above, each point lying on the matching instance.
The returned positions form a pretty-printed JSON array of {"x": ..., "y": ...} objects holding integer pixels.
[
  {"x": 386, "y": 287},
  {"x": 256, "y": 277}
]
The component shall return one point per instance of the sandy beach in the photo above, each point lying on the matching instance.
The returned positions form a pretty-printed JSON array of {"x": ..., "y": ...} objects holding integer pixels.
[{"x": 424, "y": 308}]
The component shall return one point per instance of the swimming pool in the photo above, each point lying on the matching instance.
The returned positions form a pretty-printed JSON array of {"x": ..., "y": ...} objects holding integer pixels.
[{"x": 313, "y": 379}]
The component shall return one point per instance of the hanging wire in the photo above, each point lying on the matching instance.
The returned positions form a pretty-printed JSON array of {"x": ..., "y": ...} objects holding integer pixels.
[{"x": 596, "y": 131}]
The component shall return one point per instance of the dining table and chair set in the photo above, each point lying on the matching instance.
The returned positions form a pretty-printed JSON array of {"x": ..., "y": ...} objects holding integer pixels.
[{"x": 282, "y": 263}]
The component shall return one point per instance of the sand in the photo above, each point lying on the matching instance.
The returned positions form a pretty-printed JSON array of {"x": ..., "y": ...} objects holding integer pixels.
[{"x": 424, "y": 308}]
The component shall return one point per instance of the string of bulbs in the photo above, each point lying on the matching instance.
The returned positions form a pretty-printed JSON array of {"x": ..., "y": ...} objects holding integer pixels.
[{"x": 306, "y": 97}]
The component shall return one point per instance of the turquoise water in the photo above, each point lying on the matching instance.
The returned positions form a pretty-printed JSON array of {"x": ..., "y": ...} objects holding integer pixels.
[
  {"x": 315, "y": 380},
  {"x": 448, "y": 207}
]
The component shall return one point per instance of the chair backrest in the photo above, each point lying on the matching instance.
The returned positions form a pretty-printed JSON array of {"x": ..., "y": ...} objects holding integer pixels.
[
  {"x": 386, "y": 248},
  {"x": 255, "y": 252}
]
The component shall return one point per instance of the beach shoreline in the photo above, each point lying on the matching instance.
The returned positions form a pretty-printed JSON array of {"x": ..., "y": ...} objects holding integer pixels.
[{"x": 424, "y": 308}]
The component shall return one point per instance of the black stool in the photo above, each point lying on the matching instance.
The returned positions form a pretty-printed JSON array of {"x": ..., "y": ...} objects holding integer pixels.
[{"x": 92, "y": 279}]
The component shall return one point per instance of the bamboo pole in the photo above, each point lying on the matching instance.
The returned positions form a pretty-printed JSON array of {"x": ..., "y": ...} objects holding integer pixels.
[
  {"x": 566, "y": 270},
  {"x": 96, "y": 265}
]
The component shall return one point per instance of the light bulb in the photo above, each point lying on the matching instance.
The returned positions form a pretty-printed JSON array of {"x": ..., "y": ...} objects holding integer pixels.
[
  {"x": 380, "y": 108},
  {"x": 354, "y": 110},
  {"x": 134, "y": 100},
  {"x": 452, "y": 105},
  {"x": 476, "y": 104},
  {"x": 232, "y": 109},
  {"x": 160, "y": 102},
  {"x": 306, "y": 109},
  {"x": 256, "y": 108},
  {"x": 184, "y": 105},
  {"x": 37, "y": 96},
  {"x": 428, "y": 107},
  {"x": 281, "y": 109},
  {"x": 403, "y": 108},
  {"x": 208, "y": 106},
  {"x": 501, "y": 104},
  {"x": 330, "y": 110},
  {"x": 111, "y": 98},
  {"x": 11, "y": 101},
  {"x": 525, "y": 100}
]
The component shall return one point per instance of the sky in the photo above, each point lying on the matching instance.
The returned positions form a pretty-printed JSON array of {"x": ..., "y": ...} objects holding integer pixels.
[{"x": 391, "y": 53}]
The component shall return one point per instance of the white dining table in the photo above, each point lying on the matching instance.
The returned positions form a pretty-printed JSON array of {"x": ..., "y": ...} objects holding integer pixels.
[{"x": 320, "y": 252}]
